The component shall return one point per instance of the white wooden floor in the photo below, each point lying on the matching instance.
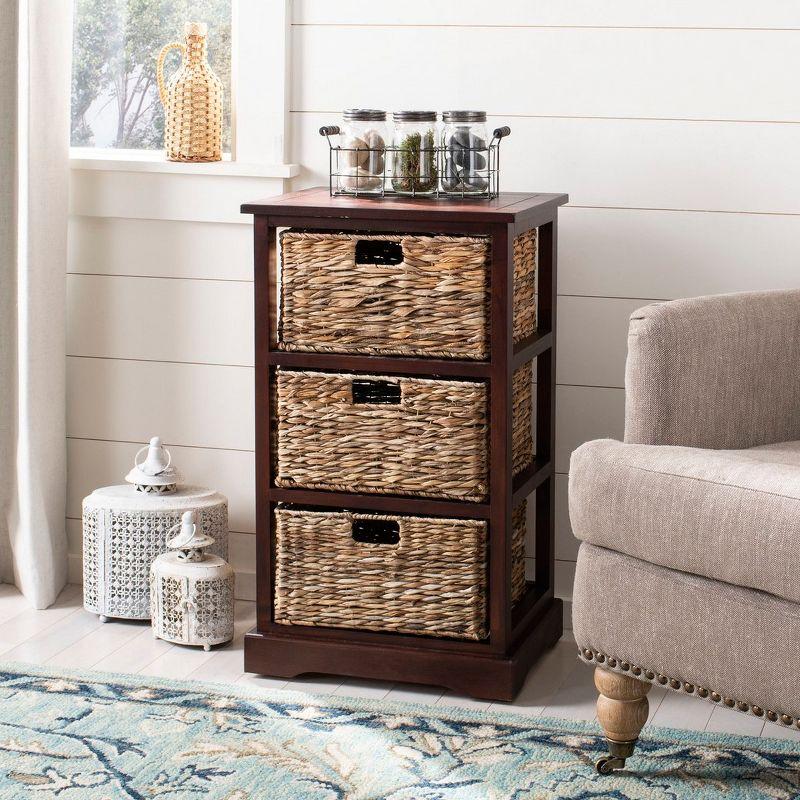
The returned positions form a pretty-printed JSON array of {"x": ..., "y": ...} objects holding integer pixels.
[{"x": 558, "y": 686}]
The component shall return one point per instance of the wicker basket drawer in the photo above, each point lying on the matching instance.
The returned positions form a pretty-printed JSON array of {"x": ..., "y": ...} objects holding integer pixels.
[
  {"x": 411, "y": 295},
  {"x": 370, "y": 433},
  {"x": 388, "y": 573},
  {"x": 391, "y": 435},
  {"x": 423, "y": 575}
]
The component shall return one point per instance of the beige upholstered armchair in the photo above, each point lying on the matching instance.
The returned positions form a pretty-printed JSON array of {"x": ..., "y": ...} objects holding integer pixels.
[{"x": 688, "y": 574}]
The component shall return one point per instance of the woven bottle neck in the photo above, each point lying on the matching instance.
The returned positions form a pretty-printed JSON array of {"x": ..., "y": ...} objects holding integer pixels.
[{"x": 196, "y": 49}]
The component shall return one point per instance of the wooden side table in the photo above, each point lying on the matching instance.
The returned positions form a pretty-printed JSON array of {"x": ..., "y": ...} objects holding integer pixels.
[{"x": 493, "y": 668}]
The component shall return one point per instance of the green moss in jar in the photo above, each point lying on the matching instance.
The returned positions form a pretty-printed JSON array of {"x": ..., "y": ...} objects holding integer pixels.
[{"x": 415, "y": 164}]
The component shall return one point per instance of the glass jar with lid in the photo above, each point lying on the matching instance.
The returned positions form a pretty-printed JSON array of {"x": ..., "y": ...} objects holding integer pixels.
[
  {"x": 360, "y": 167},
  {"x": 414, "y": 163},
  {"x": 465, "y": 153}
]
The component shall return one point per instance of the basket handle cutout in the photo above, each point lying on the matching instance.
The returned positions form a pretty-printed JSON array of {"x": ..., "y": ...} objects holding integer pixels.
[
  {"x": 376, "y": 531},
  {"x": 376, "y": 393},
  {"x": 378, "y": 251}
]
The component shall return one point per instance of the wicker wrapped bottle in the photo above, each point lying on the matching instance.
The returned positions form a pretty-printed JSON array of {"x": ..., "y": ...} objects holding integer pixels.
[{"x": 192, "y": 100}]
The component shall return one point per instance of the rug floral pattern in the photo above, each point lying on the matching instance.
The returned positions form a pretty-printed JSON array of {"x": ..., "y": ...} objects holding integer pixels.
[{"x": 93, "y": 736}]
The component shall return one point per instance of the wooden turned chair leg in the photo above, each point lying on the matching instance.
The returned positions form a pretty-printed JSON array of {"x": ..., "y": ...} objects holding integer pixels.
[{"x": 622, "y": 709}]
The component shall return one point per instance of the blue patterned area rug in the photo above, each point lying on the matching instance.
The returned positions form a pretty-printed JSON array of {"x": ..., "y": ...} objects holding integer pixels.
[{"x": 95, "y": 736}]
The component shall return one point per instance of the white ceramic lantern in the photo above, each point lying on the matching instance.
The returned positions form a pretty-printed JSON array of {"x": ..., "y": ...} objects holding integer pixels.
[
  {"x": 191, "y": 592},
  {"x": 126, "y": 527}
]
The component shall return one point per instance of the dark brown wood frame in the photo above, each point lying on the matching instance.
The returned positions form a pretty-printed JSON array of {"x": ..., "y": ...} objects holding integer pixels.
[{"x": 493, "y": 669}]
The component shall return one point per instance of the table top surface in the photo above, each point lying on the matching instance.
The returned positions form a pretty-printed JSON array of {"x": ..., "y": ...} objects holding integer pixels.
[{"x": 317, "y": 202}]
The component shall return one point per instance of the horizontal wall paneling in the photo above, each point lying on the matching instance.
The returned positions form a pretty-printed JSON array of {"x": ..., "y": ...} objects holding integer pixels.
[
  {"x": 585, "y": 413},
  {"x": 736, "y": 75},
  {"x": 153, "y": 195},
  {"x": 593, "y": 340},
  {"x": 666, "y": 255},
  {"x": 160, "y": 248},
  {"x": 148, "y": 318},
  {"x": 92, "y": 463},
  {"x": 187, "y": 404},
  {"x": 628, "y": 163},
  {"x": 581, "y": 13}
]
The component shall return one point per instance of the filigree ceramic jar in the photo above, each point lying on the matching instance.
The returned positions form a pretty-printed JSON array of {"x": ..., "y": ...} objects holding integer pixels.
[
  {"x": 414, "y": 168},
  {"x": 361, "y": 167},
  {"x": 191, "y": 592},
  {"x": 466, "y": 153},
  {"x": 126, "y": 526}
]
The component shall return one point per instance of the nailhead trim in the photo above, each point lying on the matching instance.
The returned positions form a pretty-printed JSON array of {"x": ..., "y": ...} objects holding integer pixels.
[{"x": 648, "y": 675}]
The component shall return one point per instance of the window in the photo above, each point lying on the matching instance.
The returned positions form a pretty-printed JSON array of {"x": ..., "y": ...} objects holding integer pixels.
[{"x": 116, "y": 43}]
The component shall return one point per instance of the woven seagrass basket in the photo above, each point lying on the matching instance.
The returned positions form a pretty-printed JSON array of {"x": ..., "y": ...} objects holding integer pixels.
[
  {"x": 404, "y": 574},
  {"x": 391, "y": 435},
  {"x": 412, "y": 295}
]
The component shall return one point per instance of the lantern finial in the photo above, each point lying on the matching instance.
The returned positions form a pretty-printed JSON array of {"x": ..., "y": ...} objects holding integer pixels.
[
  {"x": 156, "y": 473},
  {"x": 189, "y": 540}
]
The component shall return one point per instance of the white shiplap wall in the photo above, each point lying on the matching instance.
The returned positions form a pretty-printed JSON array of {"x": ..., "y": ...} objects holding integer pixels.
[
  {"x": 674, "y": 127},
  {"x": 160, "y": 337}
]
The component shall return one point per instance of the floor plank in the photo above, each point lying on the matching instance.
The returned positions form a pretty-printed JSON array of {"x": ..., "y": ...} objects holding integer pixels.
[
  {"x": 99, "y": 643},
  {"x": 654, "y": 698},
  {"x": 48, "y": 643},
  {"x": 178, "y": 662},
  {"x": 135, "y": 654},
  {"x": 773, "y": 731},
  {"x": 576, "y": 698},
  {"x": 543, "y": 681},
  {"x": 314, "y": 684},
  {"x": 683, "y": 711},
  {"x": 559, "y": 685},
  {"x": 30, "y": 622},
  {"x": 226, "y": 664},
  {"x": 726, "y": 720},
  {"x": 452, "y": 700},
  {"x": 372, "y": 690},
  {"x": 415, "y": 693},
  {"x": 260, "y": 681},
  {"x": 12, "y": 602}
]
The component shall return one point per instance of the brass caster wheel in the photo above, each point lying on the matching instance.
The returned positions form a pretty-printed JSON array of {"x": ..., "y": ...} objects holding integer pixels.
[{"x": 607, "y": 765}]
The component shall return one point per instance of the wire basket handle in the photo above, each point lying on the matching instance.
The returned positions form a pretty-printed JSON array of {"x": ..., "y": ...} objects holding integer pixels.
[
  {"x": 329, "y": 130},
  {"x": 500, "y": 133}
]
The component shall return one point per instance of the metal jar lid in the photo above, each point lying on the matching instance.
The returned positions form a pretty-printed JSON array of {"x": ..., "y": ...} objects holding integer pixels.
[
  {"x": 414, "y": 116},
  {"x": 364, "y": 115},
  {"x": 464, "y": 116}
]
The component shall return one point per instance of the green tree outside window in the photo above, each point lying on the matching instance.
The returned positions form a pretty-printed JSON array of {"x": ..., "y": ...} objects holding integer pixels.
[{"x": 115, "y": 45}]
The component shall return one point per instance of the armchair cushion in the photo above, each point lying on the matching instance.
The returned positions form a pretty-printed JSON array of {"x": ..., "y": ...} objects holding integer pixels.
[{"x": 731, "y": 515}]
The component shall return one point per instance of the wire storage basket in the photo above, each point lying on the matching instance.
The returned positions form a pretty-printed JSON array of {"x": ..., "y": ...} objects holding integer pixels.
[{"x": 342, "y": 180}]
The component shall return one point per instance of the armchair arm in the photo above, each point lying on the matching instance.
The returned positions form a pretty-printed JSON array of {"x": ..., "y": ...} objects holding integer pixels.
[{"x": 720, "y": 372}]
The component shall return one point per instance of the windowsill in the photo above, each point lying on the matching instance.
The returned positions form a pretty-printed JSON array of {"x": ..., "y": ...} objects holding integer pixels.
[{"x": 154, "y": 161}]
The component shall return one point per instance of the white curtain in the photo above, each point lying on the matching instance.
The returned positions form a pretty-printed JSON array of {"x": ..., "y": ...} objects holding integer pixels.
[{"x": 35, "y": 45}]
